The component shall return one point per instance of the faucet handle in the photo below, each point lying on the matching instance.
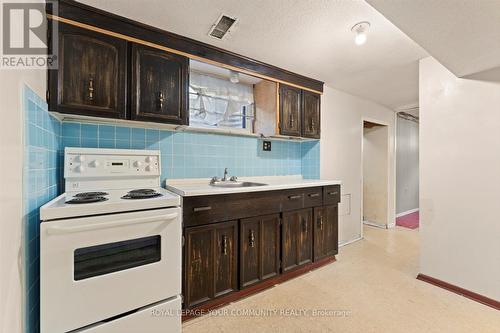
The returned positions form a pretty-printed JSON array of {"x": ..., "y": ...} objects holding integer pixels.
[
  {"x": 214, "y": 180},
  {"x": 233, "y": 178}
]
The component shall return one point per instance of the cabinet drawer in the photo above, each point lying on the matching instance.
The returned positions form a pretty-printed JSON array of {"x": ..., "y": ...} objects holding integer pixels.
[
  {"x": 204, "y": 210},
  {"x": 313, "y": 197},
  {"x": 331, "y": 195},
  {"x": 252, "y": 204},
  {"x": 292, "y": 200}
]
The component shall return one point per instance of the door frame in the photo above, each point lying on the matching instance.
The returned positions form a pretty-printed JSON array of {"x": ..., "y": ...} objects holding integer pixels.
[{"x": 389, "y": 223}]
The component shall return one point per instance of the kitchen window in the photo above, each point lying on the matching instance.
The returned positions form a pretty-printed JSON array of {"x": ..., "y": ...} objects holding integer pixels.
[{"x": 216, "y": 102}]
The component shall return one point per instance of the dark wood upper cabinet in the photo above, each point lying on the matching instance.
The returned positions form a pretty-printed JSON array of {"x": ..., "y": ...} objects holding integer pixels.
[
  {"x": 289, "y": 110},
  {"x": 325, "y": 231},
  {"x": 210, "y": 262},
  {"x": 297, "y": 237},
  {"x": 311, "y": 115},
  {"x": 259, "y": 249},
  {"x": 159, "y": 86},
  {"x": 91, "y": 79}
]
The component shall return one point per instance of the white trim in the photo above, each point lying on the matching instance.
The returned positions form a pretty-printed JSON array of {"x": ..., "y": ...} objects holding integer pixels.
[
  {"x": 351, "y": 241},
  {"x": 375, "y": 224},
  {"x": 388, "y": 223},
  {"x": 407, "y": 212}
]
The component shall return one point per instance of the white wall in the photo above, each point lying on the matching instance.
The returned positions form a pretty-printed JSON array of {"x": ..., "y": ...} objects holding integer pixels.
[
  {"x": 459, "y": 179},
  {"x": 375, "y": 166},
  {"x": 406, "y": 165},
  {"x": 11, "y": 203},
  {"x": 342, "y": 117}
]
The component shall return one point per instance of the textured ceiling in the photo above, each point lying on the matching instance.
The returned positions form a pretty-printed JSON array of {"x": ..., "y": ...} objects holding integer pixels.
[
  {"x": 464, "y": 35},
  {"x": 309, "y": 37}
]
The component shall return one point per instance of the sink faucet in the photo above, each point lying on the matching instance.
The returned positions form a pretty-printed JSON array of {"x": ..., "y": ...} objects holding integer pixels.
[{"x": 225, "y": 175}]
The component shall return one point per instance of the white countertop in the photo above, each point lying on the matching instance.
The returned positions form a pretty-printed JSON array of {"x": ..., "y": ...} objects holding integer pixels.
[{"x": 200, "y": 186}]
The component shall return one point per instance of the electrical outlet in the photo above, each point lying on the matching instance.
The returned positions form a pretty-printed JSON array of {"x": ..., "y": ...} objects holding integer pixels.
[{"x": 266, "y": 145}]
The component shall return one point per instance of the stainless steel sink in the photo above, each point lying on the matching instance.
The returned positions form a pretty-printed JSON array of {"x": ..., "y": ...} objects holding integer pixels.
[{"x": 230, "y": 183}]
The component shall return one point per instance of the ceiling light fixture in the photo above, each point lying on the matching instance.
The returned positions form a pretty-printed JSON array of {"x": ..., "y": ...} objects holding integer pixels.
[
  {"x": 360, "y": 30},
  {"x": 234, "y": 77}
]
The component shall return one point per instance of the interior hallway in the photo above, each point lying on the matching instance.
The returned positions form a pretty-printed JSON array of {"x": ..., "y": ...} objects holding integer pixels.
[{"x": 374, "y": 279}]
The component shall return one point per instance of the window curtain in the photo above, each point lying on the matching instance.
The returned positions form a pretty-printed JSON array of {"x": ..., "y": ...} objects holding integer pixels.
[{"x": 216, "y": 102}]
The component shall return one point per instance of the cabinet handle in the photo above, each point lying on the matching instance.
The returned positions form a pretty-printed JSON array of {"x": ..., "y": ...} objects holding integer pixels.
[
  {"x": 292, "y": 120},
  {"x": 294, "y": 197},
  {"x": 333, "y": 193},
  {"x": 251, "y": 239},
  {"x": 314, "y": 195},
  {"x": 320, "y": 223},
  {"x": 313, "y": 125},
  {"x": 161, "y": 99},
  {"x": 304, "y": 225},
  {"x": 224, "y": 245},
  {"x": 91, "y": 89},
  {"x": 201, "y": 209}
]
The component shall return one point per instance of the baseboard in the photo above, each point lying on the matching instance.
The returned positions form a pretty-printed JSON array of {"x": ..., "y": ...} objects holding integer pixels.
[
  {"x": 461, "y": 291},
  {"x": 375, "y": 224},
  {"x": 350, "y": 241},
  {"x": 407, "y": 212}
]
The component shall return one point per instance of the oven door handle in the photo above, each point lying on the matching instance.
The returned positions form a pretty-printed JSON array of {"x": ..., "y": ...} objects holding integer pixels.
[{"x": 120, "y": 223}]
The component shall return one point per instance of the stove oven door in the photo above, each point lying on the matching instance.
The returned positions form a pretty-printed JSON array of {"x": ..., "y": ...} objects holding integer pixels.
[{"x": 96, "y": 268}]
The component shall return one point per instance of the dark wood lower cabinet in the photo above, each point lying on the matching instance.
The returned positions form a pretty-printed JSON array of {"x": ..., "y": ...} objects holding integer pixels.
[
  {"x": 297, "y": 239},
  {"x": 210, "y": 262},
  {"x": 259, "y": 249},
  {"x": 224, "y": 261},
  {"x": 325, "y": 231}
]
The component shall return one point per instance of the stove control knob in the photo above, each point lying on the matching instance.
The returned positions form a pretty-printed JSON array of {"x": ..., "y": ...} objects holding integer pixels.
[
  {"x": 149, "y": 159},
  {"x": 80, "y": 158},
  {"x": 80, "y": 169},
  {"x": 137, "y": 164},
  {"x": 148, "y": 168},
  {"x": 94, "y": 164}
]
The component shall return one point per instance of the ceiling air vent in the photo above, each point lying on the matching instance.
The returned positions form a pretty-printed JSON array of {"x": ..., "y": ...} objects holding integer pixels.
[{"x": 221, "y": 26}]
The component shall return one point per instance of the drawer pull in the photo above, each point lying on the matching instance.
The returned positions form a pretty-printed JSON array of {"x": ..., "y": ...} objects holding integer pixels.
[
  {"x": 294, "y": 197},
  {"x": 333, "y": 193},
  {"x": 201, "y": 209},
  {"x": 314, "y": 195}
]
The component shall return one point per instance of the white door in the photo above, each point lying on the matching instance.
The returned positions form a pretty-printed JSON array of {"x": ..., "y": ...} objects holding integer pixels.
[{"x": 95, "y": 268}]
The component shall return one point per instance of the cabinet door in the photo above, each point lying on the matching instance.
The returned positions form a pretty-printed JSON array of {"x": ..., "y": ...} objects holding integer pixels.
[
  {"x": 290, "y": 105},
  {"x": 270, "y": 253},
  {"x": 311, "y": 115},
  {"x": 198, "y": 265},
  {"x": 259, "y": 249},
  {"x": 331, "y": 230},
  {"x": 319, "y": 233},
  {"x": 297, "y": 239},
  {"x": 226, "y": 255},
  {"x": 305, "y": 237},
  {"x": 159, "y": 86},
  {"x": 91, "y": 79},
  {"x": 250, "y": 243},
  {"x": 325, "y": 231}
]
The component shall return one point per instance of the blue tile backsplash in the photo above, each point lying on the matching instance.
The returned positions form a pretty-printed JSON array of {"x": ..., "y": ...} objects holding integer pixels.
[
  {"x": 42, "y": 182},
  {"x": 183, "y": 155},
  {"x": 201, "y": 155}
]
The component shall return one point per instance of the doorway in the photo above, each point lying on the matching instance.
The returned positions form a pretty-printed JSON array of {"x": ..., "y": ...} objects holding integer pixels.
[{"x": 375, "y": 150}]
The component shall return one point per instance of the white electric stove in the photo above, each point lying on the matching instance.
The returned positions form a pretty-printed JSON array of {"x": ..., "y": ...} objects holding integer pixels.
[{"x": 110, "y": 247}]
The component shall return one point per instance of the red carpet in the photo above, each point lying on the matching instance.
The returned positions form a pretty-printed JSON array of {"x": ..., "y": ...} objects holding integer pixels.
[{"x": 408, "y": 221}]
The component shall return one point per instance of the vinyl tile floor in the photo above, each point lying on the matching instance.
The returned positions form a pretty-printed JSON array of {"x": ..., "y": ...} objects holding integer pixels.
[{"x": 370, "y": 288}]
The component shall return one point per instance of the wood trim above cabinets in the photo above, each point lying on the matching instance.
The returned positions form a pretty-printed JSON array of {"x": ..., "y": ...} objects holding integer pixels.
[{"x": 87, "y": 17}]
